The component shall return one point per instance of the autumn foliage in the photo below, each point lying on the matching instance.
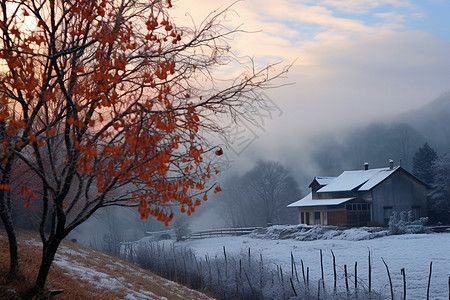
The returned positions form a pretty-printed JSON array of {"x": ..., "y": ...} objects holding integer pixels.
[{"x": 105, "y": 103}]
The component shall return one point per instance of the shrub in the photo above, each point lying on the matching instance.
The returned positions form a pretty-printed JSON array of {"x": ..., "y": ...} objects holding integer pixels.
[{"x": 404, "y": 223}]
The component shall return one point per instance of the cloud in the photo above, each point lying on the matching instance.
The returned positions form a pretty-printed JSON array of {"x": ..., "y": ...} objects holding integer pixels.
[
  {"x": 282, "y": 28},
  {"x": 364, "y": 6},
  {"x": 344, "y": 52}
]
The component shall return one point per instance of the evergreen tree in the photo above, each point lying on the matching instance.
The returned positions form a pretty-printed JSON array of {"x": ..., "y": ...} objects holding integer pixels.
[
  {"x": 423, "y": 161},
  {"x": 439, "y": 204}
]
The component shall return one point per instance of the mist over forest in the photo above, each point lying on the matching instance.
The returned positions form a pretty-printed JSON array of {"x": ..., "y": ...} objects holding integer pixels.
[{"x": 398, "y": 139}]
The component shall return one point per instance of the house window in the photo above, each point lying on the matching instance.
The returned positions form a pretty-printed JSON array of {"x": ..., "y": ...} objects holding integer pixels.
[
  {"x": 357, "y": 206},
  {"x": 302, "y": 217},
  {"x": 307, "y": 218}
]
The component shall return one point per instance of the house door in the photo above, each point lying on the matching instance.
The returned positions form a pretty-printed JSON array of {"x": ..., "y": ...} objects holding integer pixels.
[{"x": 337, "y": 218}]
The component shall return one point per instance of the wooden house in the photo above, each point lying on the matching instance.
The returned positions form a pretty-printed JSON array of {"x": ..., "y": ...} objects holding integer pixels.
[{"x": 363, "y": 197}]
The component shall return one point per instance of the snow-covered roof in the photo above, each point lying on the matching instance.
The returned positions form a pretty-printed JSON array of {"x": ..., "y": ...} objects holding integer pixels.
[
  {"x": 308, "y": 201},
  {"x": 324, "y": 180},
  {"x": 362, "y": 180}
]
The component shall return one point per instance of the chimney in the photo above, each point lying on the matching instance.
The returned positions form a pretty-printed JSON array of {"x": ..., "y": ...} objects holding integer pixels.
[
  {"x": 391, "y": 164},
  {"x": 366, "y": 166}
]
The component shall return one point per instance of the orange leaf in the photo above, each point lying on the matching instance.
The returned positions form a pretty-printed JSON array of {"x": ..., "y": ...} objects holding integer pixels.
[
  {"x": 4, "y": 114},
  {"x": 11, "y": 131},
  {"x": 205, "y": 197},
  {"x": 47, "y": 97},
  {"x": 32, "y": 138},
  {"x": 5, "y": 186},
  {"x": 27, "y": 204},
  {"x": 16, "y": 124},
  {"x": 51, "y": 131},
  {"x": 79, "y": 69},
  {"x": 131, "y": 140},
  {"x": 217, "y": 189},
  {"x": 26, "y": 191}
]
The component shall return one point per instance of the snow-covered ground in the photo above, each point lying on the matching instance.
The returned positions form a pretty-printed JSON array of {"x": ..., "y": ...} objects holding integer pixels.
[
  {"x": 413, "y": 252},
  {"x": 90, "y": 266}
]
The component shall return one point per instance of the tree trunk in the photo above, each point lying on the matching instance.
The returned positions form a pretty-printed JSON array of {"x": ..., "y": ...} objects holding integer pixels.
[
  {"x": 48, "y": 254},
  {"x": 5, "y": 215},
  {"x": 12, "y": 239}
]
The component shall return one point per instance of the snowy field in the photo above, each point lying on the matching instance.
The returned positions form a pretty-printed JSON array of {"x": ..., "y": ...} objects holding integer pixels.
[{"x": 413, "y": 252}]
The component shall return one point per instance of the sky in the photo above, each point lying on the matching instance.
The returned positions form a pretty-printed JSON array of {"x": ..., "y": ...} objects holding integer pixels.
[{"x": 354, "y": 62}]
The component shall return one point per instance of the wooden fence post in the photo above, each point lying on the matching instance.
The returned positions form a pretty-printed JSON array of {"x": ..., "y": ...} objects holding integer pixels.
[
  {"x": 404, "y": 283},
  {"x": 356, "y": 279},
  {"x": 370, "y": 275},
  {"x": 334, "y": 272},
  {"x": 390, "y": 280},
  {"x": 346, "y": 278},
  {"x": 429, "y": 281},
  {"x": 321, "y": 268}
]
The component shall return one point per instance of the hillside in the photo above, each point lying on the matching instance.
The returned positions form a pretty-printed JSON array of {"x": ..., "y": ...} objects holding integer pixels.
[
  {"x": 432, "y": 121},
  {"x": 84, "y": 273}
]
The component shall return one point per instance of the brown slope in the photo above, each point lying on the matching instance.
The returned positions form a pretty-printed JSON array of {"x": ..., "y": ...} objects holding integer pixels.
[{"x": 84, "y": 273}]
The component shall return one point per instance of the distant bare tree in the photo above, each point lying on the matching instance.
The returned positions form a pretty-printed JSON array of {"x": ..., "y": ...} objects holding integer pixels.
[
  {"x": 260, "y": 196},
  {"x": 272, "y": 188},
  {"x": 406, "y": 141}
]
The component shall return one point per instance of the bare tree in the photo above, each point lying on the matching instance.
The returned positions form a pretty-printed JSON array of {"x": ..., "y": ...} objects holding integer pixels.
[
  {"x": 105, "y": 102},
  {"x": 271, "y": 189},
  {"x": 260, "y": 196}
]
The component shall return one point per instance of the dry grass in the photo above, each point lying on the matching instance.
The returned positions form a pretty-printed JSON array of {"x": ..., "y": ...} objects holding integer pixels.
[{"x": 84, "y": 273}]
